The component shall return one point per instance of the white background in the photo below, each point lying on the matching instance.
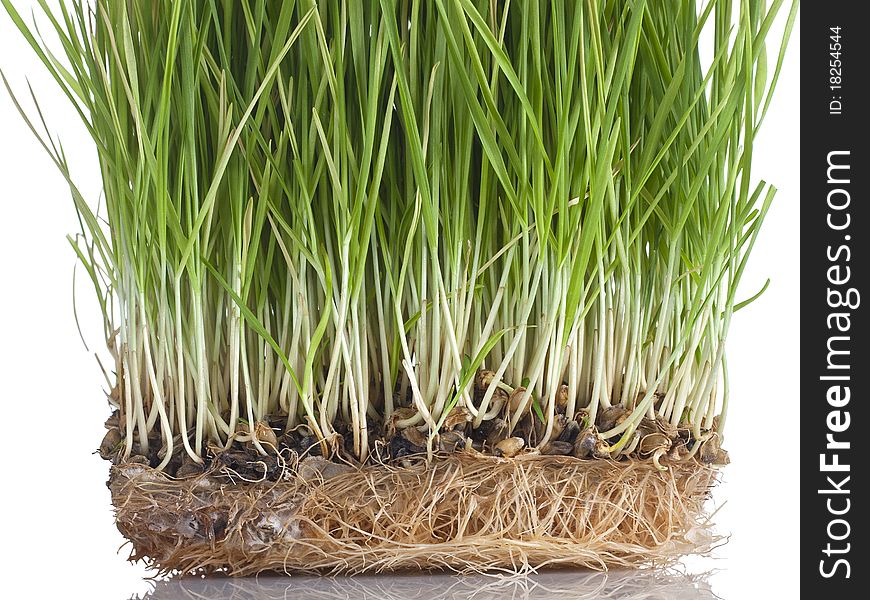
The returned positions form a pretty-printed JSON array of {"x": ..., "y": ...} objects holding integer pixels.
[{"x": 57, "y": 526}]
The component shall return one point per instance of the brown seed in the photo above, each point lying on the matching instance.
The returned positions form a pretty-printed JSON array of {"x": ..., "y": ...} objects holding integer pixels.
[
  {"x": 678, "y": 451},
  {"x": 484, "y": 378},
  {"x": 499, "y": 397},
  {"x": 559, "y": 424},
  {"x": 115, "y": 394},
  {"x": 602, "y": 449},
  {"x": 672, "y": 431},
  {"x": 114, "y": 420},
  {"x": 653, "y": 442},
  {"x": 515, "y": 399},
  {"x": 527, "y": 429},
  {"x": 451, "y": 441},
  {"x": 569, "y": 434},
  {"x": 510, "y": 447},
  {"x": 586, "y": 442},
  {"x": 458, "y": 416},
  {"x": 111, "y": 441},
  {"x": 557, "y": 448},
  {"x": 400, "y": 414},
  {"x": 415, "y": 436},
  {"x": 498, "y": 431},
  {"x": 265, "y": 434},
  {"x": 589, "y": 444},
  {"x": 710, "y": 449},
  {"x": 647, "y": 426},
  {"x": 609, "y": 417}
]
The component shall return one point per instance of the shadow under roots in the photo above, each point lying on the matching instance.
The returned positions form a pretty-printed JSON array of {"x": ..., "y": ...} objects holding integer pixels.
[{"x": 647, "y": 584}]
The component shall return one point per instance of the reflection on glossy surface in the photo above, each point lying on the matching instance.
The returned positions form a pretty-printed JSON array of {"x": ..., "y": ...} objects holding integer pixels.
[{"x": 558, "y": 585}]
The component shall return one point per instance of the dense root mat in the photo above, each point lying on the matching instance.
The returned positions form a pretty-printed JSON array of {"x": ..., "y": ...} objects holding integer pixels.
[{"x": 463, "y": 512}]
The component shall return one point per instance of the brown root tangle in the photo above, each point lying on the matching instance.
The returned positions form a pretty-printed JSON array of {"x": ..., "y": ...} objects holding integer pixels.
[{"x": 463, "y": 512}]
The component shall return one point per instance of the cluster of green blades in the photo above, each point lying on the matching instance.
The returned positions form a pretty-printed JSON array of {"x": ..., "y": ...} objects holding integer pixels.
[{"x": 337, "y": 210}]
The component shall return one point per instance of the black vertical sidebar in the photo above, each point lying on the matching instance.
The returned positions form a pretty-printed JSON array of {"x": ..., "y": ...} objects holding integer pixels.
[{"x": 834, "y": 369}]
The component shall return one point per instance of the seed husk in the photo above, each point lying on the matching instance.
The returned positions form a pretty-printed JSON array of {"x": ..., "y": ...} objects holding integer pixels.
[
  {"x": 400, "y": 414},
  {"x": 457, "y": 417},
  {"x": 498, "y": 432},
  {"x": 291, "y": 440},
  {"x": 510, "y": 447},
  {"x": 516, "y": 398},
  {"x": 483, "y": 379},
  {"x": 415, "y": 436},
  {"x": 451, "y": 441},
  {"x": 265, "y": 434},
  {"x": 609, "y": 417},
  {"x": 557, "y": 448},
  {"x": 678, "y": 450},
  {"x": 110, "y": 444},
  {"x": 527, "y": 429},
  {"x": 653, "y": 442},
  {"x": 589, "y": 444},
  {"x": 559, "y": 423},
  {"x": 114, "y": 420},
  {"x": 499, "y": 399},
  {"x": 570, "y": 432},
  {"x": 586, "y": 443},
  {"x": 647, "y": 426},
  {"x": 710, "y": 449}
]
